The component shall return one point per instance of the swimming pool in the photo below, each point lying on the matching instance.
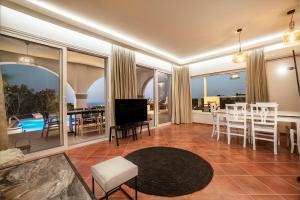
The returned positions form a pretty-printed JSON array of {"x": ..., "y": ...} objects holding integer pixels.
[{"x": 29, "y": 125}]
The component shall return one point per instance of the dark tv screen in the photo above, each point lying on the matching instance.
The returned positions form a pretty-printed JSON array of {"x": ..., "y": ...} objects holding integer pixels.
[{"x": 130, "y": 111}]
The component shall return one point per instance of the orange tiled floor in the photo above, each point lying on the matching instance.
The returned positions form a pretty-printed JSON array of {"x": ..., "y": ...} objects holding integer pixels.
[{"x": 240, "y": 174}]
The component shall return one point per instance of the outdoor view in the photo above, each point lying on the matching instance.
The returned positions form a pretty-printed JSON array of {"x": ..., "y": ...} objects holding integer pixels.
[
  {"x": 85, "y": 97},
  {"x": 164, "y": 97},
  {"x": 145, "y": 87},
  {"x": 218, "y": 89},
  {"x": 31, "y": 82}
]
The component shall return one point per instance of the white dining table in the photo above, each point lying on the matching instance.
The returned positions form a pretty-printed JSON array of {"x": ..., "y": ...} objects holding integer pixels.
[{"x": 282, "y": 116}]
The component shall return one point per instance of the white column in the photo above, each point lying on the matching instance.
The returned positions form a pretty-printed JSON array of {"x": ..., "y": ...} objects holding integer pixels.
[{"x": 81, "y": 100}]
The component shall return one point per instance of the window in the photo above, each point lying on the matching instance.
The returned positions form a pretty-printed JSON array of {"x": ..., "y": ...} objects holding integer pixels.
[
  {"x": 218, "y": 89},
  {"x": 85, "y": 91},
  {"x": 197, "y": 86},
  {"x": 145, "y": 88},
  {"x": 164, "y": 98},
  {"x": 32, "y": 88}
]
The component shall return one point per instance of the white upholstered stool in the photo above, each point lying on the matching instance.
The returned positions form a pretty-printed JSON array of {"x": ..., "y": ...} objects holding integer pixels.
[{"x": 113, "y": 173}]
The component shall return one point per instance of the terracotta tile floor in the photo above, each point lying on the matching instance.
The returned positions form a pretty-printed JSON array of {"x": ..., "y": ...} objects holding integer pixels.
[{"x": 240, "y": 174}]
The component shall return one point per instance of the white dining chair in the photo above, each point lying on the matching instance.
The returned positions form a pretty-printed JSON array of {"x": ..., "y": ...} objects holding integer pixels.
[
  {"x": 236, "y": 117},
  {"x": 264, "y": 123},
  {"x": 291, "y": 137},
  {"x": 213, "y": 109}
]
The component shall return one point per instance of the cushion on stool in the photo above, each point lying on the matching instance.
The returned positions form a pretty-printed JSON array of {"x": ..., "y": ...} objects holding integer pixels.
[{"x": 114, "y": 172}]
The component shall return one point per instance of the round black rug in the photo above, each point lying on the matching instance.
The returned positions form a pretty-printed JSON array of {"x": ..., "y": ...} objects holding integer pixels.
[{"x": 165, "y": 171}]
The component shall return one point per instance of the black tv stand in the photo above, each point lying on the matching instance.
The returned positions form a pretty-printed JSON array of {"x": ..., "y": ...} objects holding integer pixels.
[{"x": 124, "y": 129}]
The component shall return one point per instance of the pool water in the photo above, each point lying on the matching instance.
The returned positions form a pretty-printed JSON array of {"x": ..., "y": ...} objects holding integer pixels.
[{"x": 29, "y": 125}]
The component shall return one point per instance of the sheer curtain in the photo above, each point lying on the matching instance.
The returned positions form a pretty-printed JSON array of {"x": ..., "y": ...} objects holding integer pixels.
[
  {"x": 123, "y": 75},
  {"x": 181, "y": 95},
  {"x": 257, "y": 88},
  {"x": 3, "y": 122}
]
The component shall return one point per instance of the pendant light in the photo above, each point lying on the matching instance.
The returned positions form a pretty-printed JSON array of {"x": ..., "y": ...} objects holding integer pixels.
[
  {"x": 240, "y": 56},
  {"x": 26, "y": 60},
  {"x": 292, "y": 35}
]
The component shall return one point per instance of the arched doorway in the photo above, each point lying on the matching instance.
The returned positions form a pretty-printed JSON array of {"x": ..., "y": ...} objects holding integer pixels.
[
  {"x": 71, "y": 100},
  {"x": 145, "y": 88}
]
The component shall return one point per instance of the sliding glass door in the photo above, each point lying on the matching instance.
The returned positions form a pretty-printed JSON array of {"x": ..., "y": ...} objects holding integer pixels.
[
  {"x": 164, "y": 97},
  {"x": 32, "y": 83},
  {"x": 145, "y": 87},
  {"x": 85, "y": 97}
]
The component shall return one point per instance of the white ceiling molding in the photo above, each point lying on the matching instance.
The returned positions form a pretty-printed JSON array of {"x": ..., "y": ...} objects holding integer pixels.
[{"x": 96, "y": 27}]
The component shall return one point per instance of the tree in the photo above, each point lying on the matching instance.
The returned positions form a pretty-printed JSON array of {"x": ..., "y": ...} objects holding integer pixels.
[
  {"x": 46, "y": 101},
  {"x": 19, "y": 100}
]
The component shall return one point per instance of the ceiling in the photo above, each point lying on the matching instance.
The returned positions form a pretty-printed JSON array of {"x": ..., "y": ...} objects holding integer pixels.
[
  {"x": 177, "y": 29},
  {"x": 18, "y": 46}
]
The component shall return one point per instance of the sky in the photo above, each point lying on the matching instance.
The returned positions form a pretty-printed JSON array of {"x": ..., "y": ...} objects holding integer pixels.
[
  {"x": 148, "y": 93},
  {"x": 35, "y": 78},
  {"x": 219, "y": 85}
]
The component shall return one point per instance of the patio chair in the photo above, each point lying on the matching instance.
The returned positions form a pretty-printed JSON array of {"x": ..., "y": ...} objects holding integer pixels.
[
  {"x": 50, "y": 124},
  {"x": 90, "y": 122}
]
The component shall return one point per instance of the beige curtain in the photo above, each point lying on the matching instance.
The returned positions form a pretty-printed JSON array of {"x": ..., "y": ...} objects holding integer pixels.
[
  {"x": 3, "y": 122},
  {"x": 123, "y": 75},
  {"x": 181, "y": 95},
  {"x": 257, "y": 88}
]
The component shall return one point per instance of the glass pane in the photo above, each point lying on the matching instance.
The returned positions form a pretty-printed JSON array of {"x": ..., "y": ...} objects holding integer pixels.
[
  {"x": 226, "y": 88},
  {"x": 164, "y": 97},
  {"x": 85, "y": 97},
  {"x": 197, "y": 86},
  {"x": 145, "y": 89},
  {"x": 31, "y": 75}
]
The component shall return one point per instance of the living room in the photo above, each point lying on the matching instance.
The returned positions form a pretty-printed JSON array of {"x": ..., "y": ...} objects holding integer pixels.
[{"x": 195, "y": 99}]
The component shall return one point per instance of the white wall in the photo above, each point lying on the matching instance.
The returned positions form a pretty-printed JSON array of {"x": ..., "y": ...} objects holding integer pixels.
[
  {"x": 282, "y": 84},
  {"x": 214, "y": 65},
  {"x": 202, "y": 117},
  {"x": 152, "y": 62},
  {"x": 19, "y": 21}
]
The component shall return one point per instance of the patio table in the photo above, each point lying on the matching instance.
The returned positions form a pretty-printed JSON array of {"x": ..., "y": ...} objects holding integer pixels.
[{"x": 71, "y": 113}]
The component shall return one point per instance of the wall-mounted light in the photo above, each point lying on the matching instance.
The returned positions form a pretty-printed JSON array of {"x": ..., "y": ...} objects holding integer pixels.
[
  {"x": 240, "y": 56},
  {"x": 26, "y": 60},
  {"x": 282, "y": 70},
  {"x": 292, "y": 35}
]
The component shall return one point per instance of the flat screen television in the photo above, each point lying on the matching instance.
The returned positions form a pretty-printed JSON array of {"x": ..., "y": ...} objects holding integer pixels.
[{"x": 129, "y": 111}]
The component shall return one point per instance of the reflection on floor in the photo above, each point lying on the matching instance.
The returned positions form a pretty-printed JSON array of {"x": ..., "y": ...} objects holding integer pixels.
[
  {"x": 241, "y": 174},
  {"x": 84, "y": 138},
  {"x": 163, "y": 117},
  {"x": 37, "y": 143}
]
